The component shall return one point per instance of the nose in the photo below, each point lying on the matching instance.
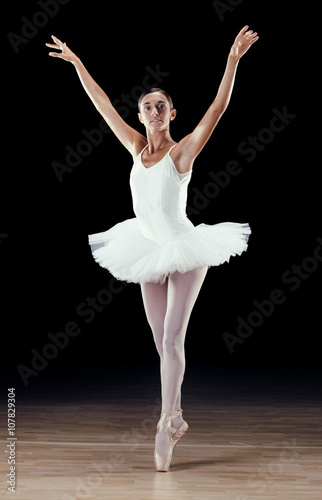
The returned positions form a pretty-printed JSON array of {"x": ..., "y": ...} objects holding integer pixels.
[{"x": 155, "y": 111}]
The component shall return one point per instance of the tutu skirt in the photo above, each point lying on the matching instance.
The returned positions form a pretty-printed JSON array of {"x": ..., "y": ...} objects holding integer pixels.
[{"x": 129, "y": 256}]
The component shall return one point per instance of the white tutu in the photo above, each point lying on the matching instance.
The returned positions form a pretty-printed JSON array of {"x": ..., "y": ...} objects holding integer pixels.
[
  {"x": 129, "y": 256},
  {"x": 161, "y": 240}
]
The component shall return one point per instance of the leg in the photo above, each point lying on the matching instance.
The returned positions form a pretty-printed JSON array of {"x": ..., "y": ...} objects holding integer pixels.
[
  {"x": 183, "y": 290},
  {"x": 168, "y": 308},
  {"x": 155, "y": 304}
]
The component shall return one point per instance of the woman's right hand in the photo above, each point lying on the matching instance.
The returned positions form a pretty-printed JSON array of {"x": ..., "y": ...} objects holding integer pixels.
[{"x": 65, "y": 53}]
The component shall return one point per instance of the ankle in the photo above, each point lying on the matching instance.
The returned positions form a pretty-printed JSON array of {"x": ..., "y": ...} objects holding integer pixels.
[
  {"x": 177, "y": 413},
  {"x": 176, "y": 422},
  {"x": 172, "y": 413}
]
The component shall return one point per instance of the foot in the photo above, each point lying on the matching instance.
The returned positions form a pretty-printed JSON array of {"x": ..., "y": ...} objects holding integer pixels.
[
  {"x": 163, "y": 444},
  {"x": 162, "y": 439},
  {"x": 179, "y": 427},
  {"x": 170, "y": 430},
  {"x": 176, "y": 422}
]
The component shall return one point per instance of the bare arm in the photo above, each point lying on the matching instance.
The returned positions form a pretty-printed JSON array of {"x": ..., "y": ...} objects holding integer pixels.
[
  {"x": 193, "y": 143},
  {"x": 128, "y": 136}
]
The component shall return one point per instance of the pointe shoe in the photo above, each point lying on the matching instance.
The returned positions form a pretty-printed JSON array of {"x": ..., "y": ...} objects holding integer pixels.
[
  {"x": 162, "y": 460},
  {"x": 182, "y": 429}
]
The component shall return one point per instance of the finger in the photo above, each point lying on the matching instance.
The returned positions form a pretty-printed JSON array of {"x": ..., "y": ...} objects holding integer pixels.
[
  {"x": 254, "y": 40},
  {"x": 56, "y": 40},
  {"x": 243, "y": 30},
  {"x": 252, "y": 36},
  {"x": 52, "y": 45}
]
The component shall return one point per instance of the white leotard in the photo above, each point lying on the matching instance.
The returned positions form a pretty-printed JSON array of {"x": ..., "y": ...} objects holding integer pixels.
[{"x": 161, "y": 240}]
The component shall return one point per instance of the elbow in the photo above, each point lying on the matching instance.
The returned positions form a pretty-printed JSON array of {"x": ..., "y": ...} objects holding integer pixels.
[
  {"x": 103, "y": 105},
  {"x": 222, "y": 109},
  {"x": 219, "y": 108}
]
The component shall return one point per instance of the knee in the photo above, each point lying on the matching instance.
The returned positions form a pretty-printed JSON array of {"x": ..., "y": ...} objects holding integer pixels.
[
  {"x": 158, "y": 340},
  {"x": 173, "y": 343},
  {"x": 159, "y": 346}
]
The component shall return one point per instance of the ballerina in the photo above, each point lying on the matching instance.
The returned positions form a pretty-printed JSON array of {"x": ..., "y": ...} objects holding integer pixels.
[{"x": 160, "y": 248}]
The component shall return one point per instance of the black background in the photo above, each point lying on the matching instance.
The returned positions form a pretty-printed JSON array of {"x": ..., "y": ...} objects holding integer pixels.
[{"x": 47, "y": 269}]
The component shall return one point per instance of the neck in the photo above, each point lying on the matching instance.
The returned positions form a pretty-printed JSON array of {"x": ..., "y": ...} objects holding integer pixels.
[{"x": 158, "y": 140}]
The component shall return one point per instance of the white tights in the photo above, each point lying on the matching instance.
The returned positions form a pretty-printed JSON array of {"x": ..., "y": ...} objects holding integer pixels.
[{"x": 168, "y": 308}]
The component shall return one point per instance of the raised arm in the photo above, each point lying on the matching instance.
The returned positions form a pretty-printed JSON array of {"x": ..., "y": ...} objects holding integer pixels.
[
  {"x": 192, "y": 144},
  {"x": 128, "y": 136}
]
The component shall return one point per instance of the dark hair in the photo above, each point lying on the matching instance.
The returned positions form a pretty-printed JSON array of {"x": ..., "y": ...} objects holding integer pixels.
[{"x": 155, "y": 89}]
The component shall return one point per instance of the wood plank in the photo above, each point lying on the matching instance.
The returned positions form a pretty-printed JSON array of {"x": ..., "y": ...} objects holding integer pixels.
[{"x": 241, "y": 447}]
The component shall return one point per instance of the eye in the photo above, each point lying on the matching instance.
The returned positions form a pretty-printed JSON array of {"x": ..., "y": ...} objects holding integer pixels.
[{"x": 146, "y": 108}]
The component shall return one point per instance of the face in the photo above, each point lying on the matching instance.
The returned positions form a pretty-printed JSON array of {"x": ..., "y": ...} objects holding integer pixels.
[{"x": 155, "y": 111}]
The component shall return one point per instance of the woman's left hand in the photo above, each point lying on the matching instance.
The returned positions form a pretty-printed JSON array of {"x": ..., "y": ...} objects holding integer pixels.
[{"x": 243, "y": 41}]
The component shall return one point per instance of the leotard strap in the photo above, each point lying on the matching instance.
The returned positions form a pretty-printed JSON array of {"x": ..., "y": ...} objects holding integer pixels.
[
  {"x": 167, "y": 152},
  {"x": 143, "y": 149}
]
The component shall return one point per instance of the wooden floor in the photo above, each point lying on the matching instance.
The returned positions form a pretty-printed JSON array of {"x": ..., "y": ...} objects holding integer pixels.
[{"x": 252, "y": 436}]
